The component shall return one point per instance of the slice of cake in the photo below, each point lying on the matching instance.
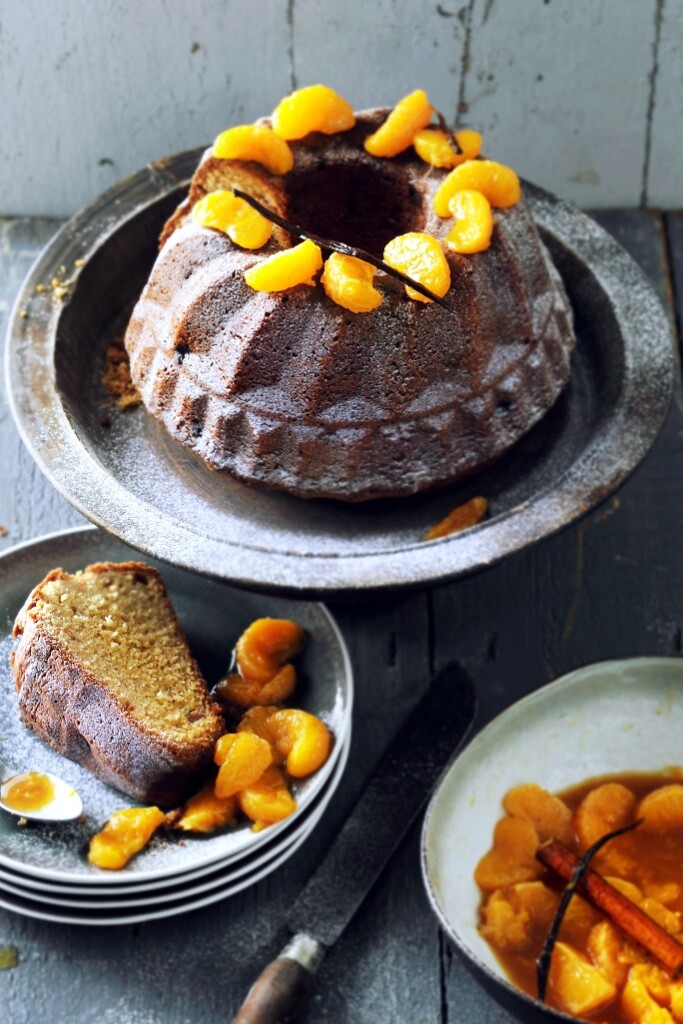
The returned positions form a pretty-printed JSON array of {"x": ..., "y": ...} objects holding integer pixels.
[{"x": 105, "y": 676}]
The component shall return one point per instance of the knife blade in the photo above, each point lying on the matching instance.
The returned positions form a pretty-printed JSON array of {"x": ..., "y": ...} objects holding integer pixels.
[{"x": 372, "y": 832}]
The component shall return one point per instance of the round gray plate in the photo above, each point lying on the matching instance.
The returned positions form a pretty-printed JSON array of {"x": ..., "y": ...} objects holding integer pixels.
[
  {"x": 131, "y": 478},
  {"x": 213, "y": 615}
]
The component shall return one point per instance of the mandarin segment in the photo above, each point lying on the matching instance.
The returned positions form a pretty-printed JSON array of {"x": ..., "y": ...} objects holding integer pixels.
[
  {"x": 432, "y": 145},
  {"x": 498, "y": 183},
  {"x": 255, "y": 142},
  {"x": 473, "y": 222},
  {"x": 286, "y": 269},
  {"x": 421, "y": 257},
  {"x": 243, "y": 757},
  {"x": 205, "y": 812},
  {"x": 266, "y": 645},
  {"x": 460, "y": 518},
  {"x": 576, "y": 984},
  {"x": 348, "y": 281},
  {"x": 513, "y": 917},
  {"x": 315, "y": 108},
  {"x": 268, "y": 800},
  {"x": 302, "y": 738},
  {"x": 409, "y": 115},
  {"x": 244, "y": 693},
  {"x": 224, "y": 211},
  {"x": 512, "y": 858},
  {"x": 637, "y": 1003},
  {"x": 604, "y": 809},
  {"x": 607, "y": 949},
  {"x": 549, "y": 815},
  {"x": 126, "y": 833},
  {"x": 662, "y": 809}
]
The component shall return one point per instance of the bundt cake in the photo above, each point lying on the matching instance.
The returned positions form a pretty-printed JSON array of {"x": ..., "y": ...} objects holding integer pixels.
[
  {"x": 104, "y": 675},
  {"x": 288, "y": 389}
]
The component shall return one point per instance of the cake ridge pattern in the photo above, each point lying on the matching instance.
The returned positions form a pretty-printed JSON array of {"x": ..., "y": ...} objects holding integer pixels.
[{"x": 290, "y": 391}]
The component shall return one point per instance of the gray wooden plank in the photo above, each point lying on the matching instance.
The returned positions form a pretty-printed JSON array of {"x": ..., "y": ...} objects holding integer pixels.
[
  {"x": 674, "y": 231},
  {"x": 607, "y": 587},
  {"x": 563, "y": 90}
]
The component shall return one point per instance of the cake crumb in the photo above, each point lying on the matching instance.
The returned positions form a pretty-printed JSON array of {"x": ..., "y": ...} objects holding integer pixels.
[
  {"x": 79, "y": 263},
  {"x": 3, "y": 531},
  {"x": 40, "y": 288},
  {"x": 9, "y": 958},
  {"x": 23, "y": 313},
  {"x": 117, "y": 379}
]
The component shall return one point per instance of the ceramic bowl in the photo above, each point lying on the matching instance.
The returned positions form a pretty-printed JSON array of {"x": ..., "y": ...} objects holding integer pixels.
[{"x": 613, "y": 717}]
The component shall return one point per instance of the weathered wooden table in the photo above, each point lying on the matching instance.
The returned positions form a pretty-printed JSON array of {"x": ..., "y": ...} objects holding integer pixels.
[{"x": 611, "y": 586}]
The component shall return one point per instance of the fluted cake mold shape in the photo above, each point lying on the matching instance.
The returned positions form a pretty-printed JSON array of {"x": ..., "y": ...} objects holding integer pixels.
[{"x": 290, "y": 391}]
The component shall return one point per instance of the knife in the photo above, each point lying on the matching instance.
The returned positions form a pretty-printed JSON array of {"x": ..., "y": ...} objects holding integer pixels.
[{"x": 387, "y": 807}]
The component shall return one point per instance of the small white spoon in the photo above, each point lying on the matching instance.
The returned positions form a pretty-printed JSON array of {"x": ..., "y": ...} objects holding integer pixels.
[{"x": 63, "y": 804}]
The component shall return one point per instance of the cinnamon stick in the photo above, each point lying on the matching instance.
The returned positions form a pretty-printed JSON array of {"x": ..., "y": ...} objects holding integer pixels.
[{"x": 633, "y": 922}]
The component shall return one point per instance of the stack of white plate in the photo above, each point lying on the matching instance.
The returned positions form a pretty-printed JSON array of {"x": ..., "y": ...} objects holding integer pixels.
[{"x": 44, "y": 871}]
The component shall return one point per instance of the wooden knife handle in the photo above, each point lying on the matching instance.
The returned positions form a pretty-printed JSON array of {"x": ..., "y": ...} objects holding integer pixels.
[{"x": 285, "y": 986}]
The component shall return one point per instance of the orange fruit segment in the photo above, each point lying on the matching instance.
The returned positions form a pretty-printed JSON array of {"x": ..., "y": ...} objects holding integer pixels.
[
  {"x": 206, "y": 812},
  {"x": 243, "y": 757},
  {"x": 603, "y": 810},
  {"x": 512, "y": 858},
  {"x": 302, "y": 738},
  {"x": 462, "y": 517},
  {"x": 255, "y": 142},
  {"x": 498, "y": 183},
  {"x": 516, "y": 915},
  {"x": 577, "y": 985},
  {"x": 409, "y": 115},
  {"x": 126, "y": 833},
  {"x": 267, "y": 644},
  {"x": 432, "y": 146},
  {"x": 421, "y": 257},
  {"x": 224, "y": 211},
  {"x": 267, "y": 800},
  {"x": 315, "y": 108},
  {"x": 348, "y": 281},
  {"x": 662, "y": 809},
  {"x": 473, "y": 222},
  {"x": 245, "y": 693},
  {"x": 286, "y": 269},
  {"x": 257, "y": 720},
  {"x": 549, "y": 815}
]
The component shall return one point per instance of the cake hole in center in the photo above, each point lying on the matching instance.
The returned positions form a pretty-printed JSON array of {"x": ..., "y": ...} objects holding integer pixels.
[{"x": 362, "y": 206}]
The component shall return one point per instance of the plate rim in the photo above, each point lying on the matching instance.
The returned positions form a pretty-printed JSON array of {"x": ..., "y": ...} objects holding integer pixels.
[
  {"x": 543, "y": 514},
  {"x": 266, "y": 835}
]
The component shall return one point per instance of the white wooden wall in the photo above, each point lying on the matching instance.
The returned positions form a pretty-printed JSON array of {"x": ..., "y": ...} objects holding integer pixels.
[{"x": 584, "y": 97}]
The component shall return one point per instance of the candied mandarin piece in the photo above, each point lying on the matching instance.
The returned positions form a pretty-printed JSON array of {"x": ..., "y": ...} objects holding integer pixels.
[
  {"x": 206, "y": 812},
  {"x": 243, "y": 757},
  {"x": 638, "y": 1005},
  {"x": 576, "y": 984},
  {"x": 286, "y": 269},
  {"x": 512, "y": 858},
  {"x": 473, "y": 222},
  {"x": 245, "y": 693},
  {"x": 315, "y": 108},
  {"x": 256, "y": 720},
  {"x": 604, "y": 809},
  {"x": 498, "y": 183},
  {"x": 409, "y": 115},
  {"x": 421, "y": 257},
  {"x": 515, "y": 916},
  {"x": 662, "y": 809},
  {"x": 126, "y": 833},
  {"x": 432, "y": 146},
  {"x": 578, "y": 920},
  {"x": 348, "y": 282},
  {"x": 267, "y": 800},
  {"x": 266, "y": 645},
  {"x": 255, "y": 142},
  {"x": 460, "y": 518},
  {"x": 549, "y": 815},
  {"x": 224, "y": 211},
  {"x": 609, "y": 951},
  {"x": 302, "y": 738}
]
